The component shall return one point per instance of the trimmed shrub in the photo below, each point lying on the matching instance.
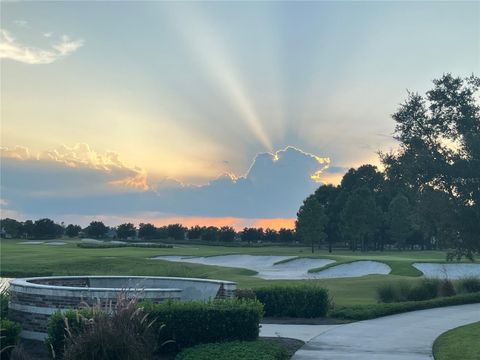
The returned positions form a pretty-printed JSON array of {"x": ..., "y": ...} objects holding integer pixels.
[
  {"x": 236, "y": 350},
  {"x": 365, "y": 312},
  {"x": 245, "y": 294},
  {"x": 191, "y": 323},
  {"x": 304, "y": 301},
  {"x": 10, "y": 335},
  {"x": 469, "y": 285}
]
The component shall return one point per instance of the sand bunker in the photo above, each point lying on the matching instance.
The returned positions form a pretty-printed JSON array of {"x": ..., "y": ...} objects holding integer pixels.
[
  {"x": 450, "y": 271},
  {"x": 354, "y": 269},
  {"x": 31, "y": 242},
  {"x": 56, "y": 243},
  {"x": 295, "y": 269}
]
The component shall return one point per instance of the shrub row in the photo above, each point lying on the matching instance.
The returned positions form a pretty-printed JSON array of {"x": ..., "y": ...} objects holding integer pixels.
[
  {"x": 426, "y": 289},
  {"x": 191, "y": 323},
  {"x": 10, "y": 334},
  {"x": 364, "y": 312},
  {"x": 305, "y": 301},
  {"x": 188, "y": 323},
  {"x": 235, "y": 350},
  {"x": 114, "y": 245}
]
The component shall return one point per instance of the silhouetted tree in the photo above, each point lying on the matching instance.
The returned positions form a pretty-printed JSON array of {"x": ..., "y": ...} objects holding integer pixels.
[
  {"x": 271, "y": 235},
  {"x": 96, "y": 229},
  {"x": 12, "y": 227},
  {"x": 311, "y": 221},
  {"x": 46, "y": 229},
  {"x": 147, "y": 231},
  {"x": 176, "y": 231},
  {"x": 125, "y": 231},
  {"x": 360, "y": 218},
  {"x": 72, "y": 230},
  {"x": 399, "y": 220},
  {"x": 195, "y": 232},
  {"x": 440, "y": 150},
  {"x": 286, "y": 235},
  {"x": 226, "y": 234}
]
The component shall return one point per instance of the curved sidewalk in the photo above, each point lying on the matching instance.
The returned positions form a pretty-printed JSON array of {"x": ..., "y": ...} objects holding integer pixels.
[{"x": 407, "y": 336}]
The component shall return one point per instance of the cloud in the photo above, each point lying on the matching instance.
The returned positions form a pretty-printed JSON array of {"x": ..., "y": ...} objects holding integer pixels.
[
  {"x": 79, "y": 181},
  {"x": 76, "y": 168},
  {"x": 11, "y": 49}
]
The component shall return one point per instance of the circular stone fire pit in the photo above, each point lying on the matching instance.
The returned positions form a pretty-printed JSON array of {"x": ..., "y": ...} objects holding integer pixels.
[{"x": 34, "y": 300}]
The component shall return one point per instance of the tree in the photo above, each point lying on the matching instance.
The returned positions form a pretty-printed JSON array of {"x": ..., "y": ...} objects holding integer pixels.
[
  {"x": 195, "y": 232},
  {"x": 72, "y": 230},
  {"x": 11, "y": 226},
  {"x": 147, "y": 231},
  {"x": 226, "y": 234},
  {"x": 439, "y": 136},
  {"x": 327, "y": 196},
  {"x": 251, "y": 234},
  {"x": 46, "y": 229},
  {"x": 96, "y": 229},
  {"x": 210, "y": 234},
  {"x": 360, "y": 218},
  {"x": 286, "y": 235},
  {"x": 311, "y": 221},
  {"x": 125, "y": 231},
  {"x": 176, "y": 231},
  {"x": 271, "y": 235},
  {"x": 27, "y": 229},
  {"x": 399, "y": 220}
]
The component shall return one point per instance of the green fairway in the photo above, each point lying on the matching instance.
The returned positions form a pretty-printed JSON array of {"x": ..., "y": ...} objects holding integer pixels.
[
  {"x": 462, "y": 343},
  {"x": 29, "y": 260}
]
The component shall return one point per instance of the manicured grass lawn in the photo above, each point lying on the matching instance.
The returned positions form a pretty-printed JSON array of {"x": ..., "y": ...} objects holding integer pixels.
[
  {"x": 30, "y": 260},
  {"x": 462, "y": 343}
]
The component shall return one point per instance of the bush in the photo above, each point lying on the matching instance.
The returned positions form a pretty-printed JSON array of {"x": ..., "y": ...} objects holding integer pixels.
[
  {"x": 469, "y": 285},
  {"x": 4, "y": 297},
  {"x": 426, "y": 290},
  {"x": 245, "y": 294},
  {"x": 365, "y": 312},
  {"x": 126, "y": 334},
  {"x": 191, "y": 323},
  {"x": 236, "y": 350},
  {"x": 304, "y": 301},
  {"x": 64, "y": 325},
  {"x": 10, "y": 334},
  {"x": 446, "y": 288}
]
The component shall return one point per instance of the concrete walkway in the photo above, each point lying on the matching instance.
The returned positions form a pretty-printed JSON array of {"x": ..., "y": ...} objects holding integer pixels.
[{"x": 407, "y": 336}]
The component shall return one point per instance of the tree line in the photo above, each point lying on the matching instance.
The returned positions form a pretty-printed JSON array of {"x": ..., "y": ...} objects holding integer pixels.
[
  {"x": 48, "y": 229},
  {"x": 428, "y": 193}
]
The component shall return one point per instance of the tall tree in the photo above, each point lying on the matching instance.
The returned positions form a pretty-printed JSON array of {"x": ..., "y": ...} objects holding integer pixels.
[
  {"x": 360, "y": 218},
  {"x": 311, "y": 221},
  {"x": 399, "y": 220},
  {"x": 439, "y": 136},
  {"x": 46, "y": 229},
  {"x": 226, "y": 234}
]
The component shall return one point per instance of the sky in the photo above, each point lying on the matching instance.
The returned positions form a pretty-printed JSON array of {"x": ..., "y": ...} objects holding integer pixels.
[{"x": 223, "y": 113}]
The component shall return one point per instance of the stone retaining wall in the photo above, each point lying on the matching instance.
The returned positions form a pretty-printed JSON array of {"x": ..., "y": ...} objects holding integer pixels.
[{"x": 33, "y": 300}]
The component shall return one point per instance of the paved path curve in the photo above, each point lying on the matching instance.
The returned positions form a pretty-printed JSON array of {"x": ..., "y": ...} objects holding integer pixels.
[{"x": 407, "y": 336}]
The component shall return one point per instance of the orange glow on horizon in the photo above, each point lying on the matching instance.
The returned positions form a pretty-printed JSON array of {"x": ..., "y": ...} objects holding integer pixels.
[{"x": 237, "y": 223}]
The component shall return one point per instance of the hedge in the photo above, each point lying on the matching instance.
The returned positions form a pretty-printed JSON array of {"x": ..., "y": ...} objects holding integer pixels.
[
  {"x": 365, "y": 312},
  {"x": 235, "y": 350},
  {"x": 10, "y": 335},
  {"x": 304, "y": 301},
  {"x": 191, "y": 323}
]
